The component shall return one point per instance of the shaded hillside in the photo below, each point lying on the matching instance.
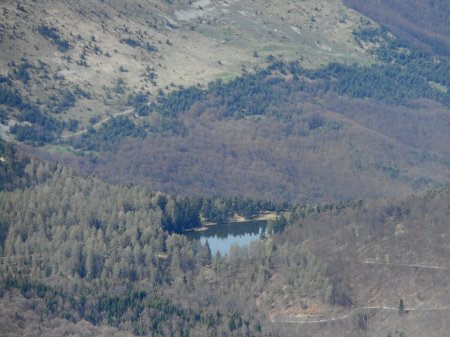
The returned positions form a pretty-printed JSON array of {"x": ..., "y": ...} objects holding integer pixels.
[{"x": 424, "y": 24}]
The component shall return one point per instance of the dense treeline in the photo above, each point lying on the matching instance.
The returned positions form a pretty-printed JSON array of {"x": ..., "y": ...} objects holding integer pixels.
[
  {"x": 183, "y": 213},
  {"x": 102, "y": 253},
  {"x": 12, "y": 167},
  {"x": 149, "y": 312},
  {"x": 74, "y": 270},
  {"x": 91, "y": 251}
]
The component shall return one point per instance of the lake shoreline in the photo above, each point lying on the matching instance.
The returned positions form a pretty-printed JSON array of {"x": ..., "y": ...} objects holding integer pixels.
[{"x": 266, "y": 216}]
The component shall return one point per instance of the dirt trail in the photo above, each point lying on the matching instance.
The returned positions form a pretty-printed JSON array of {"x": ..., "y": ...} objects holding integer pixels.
[
  {"x": 354, "y": 311},
  {"x": 96, "y": 125},
  {"x": 424, "y": 266},
  {"x": 322, "y": 320}
]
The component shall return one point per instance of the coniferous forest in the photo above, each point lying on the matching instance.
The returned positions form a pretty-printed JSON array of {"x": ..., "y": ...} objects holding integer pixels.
[{"x": 125, "y": 266}]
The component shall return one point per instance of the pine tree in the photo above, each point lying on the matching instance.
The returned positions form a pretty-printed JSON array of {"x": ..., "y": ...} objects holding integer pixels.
[{"x": 401, "y": 306}]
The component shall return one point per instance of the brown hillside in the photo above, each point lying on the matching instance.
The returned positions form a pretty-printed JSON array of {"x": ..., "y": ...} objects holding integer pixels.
[{"x": 363, "y": 150}]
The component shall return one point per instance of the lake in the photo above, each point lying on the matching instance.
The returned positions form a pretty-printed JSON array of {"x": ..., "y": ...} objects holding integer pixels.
[{"x": 222, "y": 236}]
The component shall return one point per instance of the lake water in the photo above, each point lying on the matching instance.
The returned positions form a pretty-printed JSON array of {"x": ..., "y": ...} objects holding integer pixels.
[{"x": 221, "y": 237}]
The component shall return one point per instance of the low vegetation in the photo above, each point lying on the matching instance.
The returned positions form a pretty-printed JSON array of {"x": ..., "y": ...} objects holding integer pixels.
[{"x": 53, "y": 35}]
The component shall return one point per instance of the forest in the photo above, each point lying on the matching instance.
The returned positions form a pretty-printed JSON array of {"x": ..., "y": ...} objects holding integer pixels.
[
  {"x": 349, "y": 163},
  {"x": 290, "y": 153},
  {"x": 126, "y": 267}
]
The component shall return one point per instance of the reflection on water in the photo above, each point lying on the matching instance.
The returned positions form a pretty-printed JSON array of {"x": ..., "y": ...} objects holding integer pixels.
[{"x": 222, "y": 237}]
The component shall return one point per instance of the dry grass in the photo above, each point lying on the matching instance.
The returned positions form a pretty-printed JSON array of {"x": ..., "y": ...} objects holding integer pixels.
[{"x": 217, "y": 41}]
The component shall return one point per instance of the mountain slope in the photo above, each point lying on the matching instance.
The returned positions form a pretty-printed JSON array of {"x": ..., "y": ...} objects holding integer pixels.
[{"x": 96, "y": 53}]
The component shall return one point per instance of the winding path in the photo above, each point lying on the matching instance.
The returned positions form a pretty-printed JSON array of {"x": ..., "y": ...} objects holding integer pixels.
[
  {"x": 323, "y": 320},
  {"x": 352, "y": 312},
  {"x": 126, "y": 112},
  {"x": 424, "y": 266},
  {"x": 355, "y": 310}
]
